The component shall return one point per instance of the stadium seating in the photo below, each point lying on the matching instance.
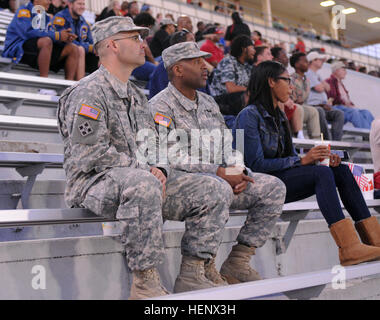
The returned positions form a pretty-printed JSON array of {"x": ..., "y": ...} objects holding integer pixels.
[
  {"x": 86, "y": 264},
  {"x": 280, "y": 288}
]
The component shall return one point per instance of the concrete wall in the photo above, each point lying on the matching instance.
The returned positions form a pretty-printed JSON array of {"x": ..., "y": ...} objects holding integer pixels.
[{"x": 363, "y": 89}]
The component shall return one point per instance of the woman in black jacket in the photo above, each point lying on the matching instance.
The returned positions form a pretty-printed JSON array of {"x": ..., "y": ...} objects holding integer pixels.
[{"x": 237, "y": 28}]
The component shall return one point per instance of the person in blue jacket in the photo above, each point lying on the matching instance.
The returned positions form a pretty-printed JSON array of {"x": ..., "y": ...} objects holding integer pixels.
[
  {"x": 269, "y": 149},
  {"x": 71, "y": 17},
  {"x": 30, "y": 39}
]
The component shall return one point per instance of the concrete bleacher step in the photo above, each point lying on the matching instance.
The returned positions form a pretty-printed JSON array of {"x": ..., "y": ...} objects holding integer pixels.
[
  {"x": 289, "y": 287},
  {"x": 94, "y": 267}
]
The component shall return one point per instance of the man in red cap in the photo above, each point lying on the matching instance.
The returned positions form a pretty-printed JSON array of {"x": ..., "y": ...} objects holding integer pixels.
[{"x": 213, "y": 36}]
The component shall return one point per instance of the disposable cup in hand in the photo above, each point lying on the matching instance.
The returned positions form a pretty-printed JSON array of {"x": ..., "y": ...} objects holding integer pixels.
[{"x": 323, "y": 161}]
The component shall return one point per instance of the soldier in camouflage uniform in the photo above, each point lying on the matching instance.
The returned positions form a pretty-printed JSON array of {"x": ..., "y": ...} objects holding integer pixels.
[
  {"x": 181, "y": 107},
  {"x": 99, "y": 120}
]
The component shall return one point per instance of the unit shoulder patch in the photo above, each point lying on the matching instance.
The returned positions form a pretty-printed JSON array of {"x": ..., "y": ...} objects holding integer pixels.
[
  {"x": 23, "y": 13},
  {"x": 59, "y": 21}
]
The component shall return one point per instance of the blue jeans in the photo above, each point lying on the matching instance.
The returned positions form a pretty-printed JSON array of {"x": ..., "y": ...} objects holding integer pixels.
[
  {"x": 360, "y": 118},
  {"x": 305, "y": 181},
  {"x": 336, "y": 118},
  {"x": 143, "y": 72}
]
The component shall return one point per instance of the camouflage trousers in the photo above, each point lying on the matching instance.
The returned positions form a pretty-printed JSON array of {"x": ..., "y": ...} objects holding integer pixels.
[
  {"x": 134, "y": 196},
  {"x": 264, "y": 200},
  {"x": 203, "y": 201}
]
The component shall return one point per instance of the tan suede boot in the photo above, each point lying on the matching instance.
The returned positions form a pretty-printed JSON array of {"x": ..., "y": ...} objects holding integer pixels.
[
  {"x": 236, "y": 268},
  {"x": 192, "y": 276},
  {"x": 146, "y": 284},
  {"x": 351, "y": 250},
  {"x": 212, "y": 274},
  {"x": 369, "y": 231}
]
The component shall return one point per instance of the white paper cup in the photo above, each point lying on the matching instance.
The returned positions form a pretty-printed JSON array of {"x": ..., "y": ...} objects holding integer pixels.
[
  {"x": 325, "y": 161},
  {"x": 110, "y": 228}
]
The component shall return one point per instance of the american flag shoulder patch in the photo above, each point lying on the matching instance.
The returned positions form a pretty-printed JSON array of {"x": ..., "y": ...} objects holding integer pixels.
[
  {"x": 89, "y": 112},
  {"x": 162, "y": 120}
]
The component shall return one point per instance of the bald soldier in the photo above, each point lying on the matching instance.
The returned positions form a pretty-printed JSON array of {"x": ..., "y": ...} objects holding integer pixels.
[
  {"x": 182, "y": 110},
  {"x": 99, "y": 120}
]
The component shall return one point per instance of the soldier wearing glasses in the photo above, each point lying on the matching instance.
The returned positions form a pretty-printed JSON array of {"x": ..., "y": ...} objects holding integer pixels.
[
  {"x": 97, "y": 120},
  {"x": 100, "y": 119}
]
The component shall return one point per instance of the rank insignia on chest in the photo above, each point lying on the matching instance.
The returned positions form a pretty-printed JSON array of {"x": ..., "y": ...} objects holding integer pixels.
[
  {"x": 162, "y": 120},
  {"x": 89, "y": 112}
]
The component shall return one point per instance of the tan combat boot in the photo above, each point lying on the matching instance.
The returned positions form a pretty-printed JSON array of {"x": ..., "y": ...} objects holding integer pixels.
[
  {"x": 236, "y": 268},
  {"x": 146, "y": 284},
  {"x": 369, "y": 231},
  {"x": 351, "y": 250},
  {"x": 212, "y": 274},
  {"x": 192, "y": 276}
]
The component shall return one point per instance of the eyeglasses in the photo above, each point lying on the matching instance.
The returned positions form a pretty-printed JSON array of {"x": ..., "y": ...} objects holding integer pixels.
[
  {"x": 136, "y": 38},
  {"x": 289, "y": 80}
]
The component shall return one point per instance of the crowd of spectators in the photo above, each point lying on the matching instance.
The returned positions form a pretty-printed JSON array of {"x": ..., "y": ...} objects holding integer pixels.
[
  {"x": 241, "y": 74},
  {"x": 235, "y": 52}
]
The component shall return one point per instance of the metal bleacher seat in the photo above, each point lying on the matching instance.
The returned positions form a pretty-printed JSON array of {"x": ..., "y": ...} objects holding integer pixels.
[
  {"x": 294, "y": 212},
  {"x": 10, "y": 79},
  {"x": 357, "y": 132},
  {"x": 269, "y": 288},
  {"x": 16, "y": 128},
  {"x": 29, "y": 165},
  {"x": 28, "y": 123},
  {"x": 340, "y": 145},
  {"x": 30, "y": 217},
  {"x": 14, "y": 99}
]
